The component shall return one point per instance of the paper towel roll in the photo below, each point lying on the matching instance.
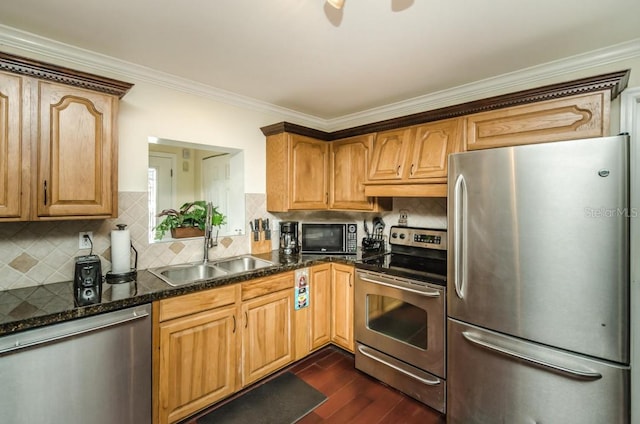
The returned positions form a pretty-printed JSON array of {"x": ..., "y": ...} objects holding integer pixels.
[{"x": 120, "y": 250}]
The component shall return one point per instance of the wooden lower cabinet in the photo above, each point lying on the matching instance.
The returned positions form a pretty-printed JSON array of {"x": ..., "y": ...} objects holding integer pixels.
[
  {"x": 210, "y": 344},
  {"x": 199, "y": 365},
  {"x": 267, "y": 336},
  {"x": 320, "y": 306},
  {"x": 342, "y": 298},
  {"x": 197, "y": 362}
]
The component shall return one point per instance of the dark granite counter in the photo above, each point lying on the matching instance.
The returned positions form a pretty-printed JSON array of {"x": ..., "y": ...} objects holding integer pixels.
[{"x": 31, "y": 307}]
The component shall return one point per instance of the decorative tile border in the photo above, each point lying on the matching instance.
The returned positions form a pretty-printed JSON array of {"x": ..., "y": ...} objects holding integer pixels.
[{"x": 37, "y": 253}]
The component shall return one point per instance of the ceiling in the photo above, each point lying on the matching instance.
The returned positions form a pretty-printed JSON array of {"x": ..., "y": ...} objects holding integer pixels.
[{"x": 305, "y": 56}]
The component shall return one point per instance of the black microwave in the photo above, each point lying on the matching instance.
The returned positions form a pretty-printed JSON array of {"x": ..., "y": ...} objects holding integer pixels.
[{"x": 329, "y": 238}]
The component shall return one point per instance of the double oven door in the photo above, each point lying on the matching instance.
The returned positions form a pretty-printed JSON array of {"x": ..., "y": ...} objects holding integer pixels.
[{"x": 400, "y": 334}]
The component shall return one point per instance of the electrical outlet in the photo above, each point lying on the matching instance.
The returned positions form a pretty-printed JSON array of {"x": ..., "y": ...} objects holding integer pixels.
[
  {"x": 83, "y": 243},
  {"x": 403, "y": 219}
]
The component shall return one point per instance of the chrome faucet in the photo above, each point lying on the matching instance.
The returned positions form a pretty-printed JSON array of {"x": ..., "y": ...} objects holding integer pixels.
[{"x": 208, "y": 230}]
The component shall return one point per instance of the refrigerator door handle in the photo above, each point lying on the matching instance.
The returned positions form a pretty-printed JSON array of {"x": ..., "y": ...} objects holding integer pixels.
[
  {"x": 584, "y": 373},
  {"x": 459, "y": 247}
]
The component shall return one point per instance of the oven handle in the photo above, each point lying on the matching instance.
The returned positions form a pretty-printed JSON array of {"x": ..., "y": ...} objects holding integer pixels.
[
  {"x": 433, "y": 382},
  {"x": 459, "y": 247},
  {"x": 434, "y": 293}
]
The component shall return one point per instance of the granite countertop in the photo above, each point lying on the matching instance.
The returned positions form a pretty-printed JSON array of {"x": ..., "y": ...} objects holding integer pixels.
[{"x": 31, "y": 307}]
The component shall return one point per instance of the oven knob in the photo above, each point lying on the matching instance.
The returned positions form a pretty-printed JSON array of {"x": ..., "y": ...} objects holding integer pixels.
[
  {"x": 394, "y": 235},
  {"x": 403, "y": 236}
]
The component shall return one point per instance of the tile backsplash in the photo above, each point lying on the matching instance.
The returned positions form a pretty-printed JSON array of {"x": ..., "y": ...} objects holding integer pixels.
[{"x": 34, "y": 253}]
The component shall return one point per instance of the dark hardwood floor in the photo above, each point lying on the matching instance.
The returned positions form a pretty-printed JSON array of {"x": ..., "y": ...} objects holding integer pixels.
[{"x": 352, "y": 396}]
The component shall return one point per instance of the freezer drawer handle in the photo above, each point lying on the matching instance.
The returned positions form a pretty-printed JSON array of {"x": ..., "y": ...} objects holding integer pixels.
[
  {"x": 434, "y": 382},
  {"x": 421, "y": 293},
  {"x": 585, "y": 374}
]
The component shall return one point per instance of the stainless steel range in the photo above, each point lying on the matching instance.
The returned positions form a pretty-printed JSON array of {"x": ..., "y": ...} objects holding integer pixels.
[{"x": 400, "y": 315}]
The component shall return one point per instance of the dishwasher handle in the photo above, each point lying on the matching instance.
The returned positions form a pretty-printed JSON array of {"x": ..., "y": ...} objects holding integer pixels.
[{"x": 57, "y": 332}]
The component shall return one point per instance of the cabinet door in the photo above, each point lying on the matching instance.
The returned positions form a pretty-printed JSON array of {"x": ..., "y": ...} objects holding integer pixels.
[
  {"x": 569, "y": 118},
  {"x": 77, "y": 166},
  {"x": 432, "y": 145},
  {"x": 342, "y": 295},
  {"x": 309, "y": 173},
  {"x": 320, "y": 299},
  {"x": 267, "y": 338},
  {"x": 198, "y": 355},
  {"x": 388, "y": 155},
  {"x": 349, "y": 159},
  {"x": 14, "y": 160}
]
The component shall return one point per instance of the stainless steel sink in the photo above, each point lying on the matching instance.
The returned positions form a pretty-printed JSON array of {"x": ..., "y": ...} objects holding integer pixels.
[
  {"x": 243, "y": 264},
  {"x": 177, "y": 275}
]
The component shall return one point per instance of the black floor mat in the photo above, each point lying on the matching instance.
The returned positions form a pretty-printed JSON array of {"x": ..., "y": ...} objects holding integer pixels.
[{"x": 283, "y": 400}]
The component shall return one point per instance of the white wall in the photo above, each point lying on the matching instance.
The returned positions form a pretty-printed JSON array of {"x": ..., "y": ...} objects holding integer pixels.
[
  {"x": 151, "y": 110},
  {"x": 154, "y": 109}
]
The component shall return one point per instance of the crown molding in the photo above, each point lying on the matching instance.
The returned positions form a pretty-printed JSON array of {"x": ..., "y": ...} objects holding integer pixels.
[
  {"x": 29, "y": 43},
  {"x": 532, "y": 76},
  {"x": 95, "y": 62}
]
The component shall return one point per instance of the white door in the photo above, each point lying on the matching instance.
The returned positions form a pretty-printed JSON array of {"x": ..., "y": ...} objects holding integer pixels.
[
  {"x": 216, "y": 184},
  {"x": 162, "y": 192}
]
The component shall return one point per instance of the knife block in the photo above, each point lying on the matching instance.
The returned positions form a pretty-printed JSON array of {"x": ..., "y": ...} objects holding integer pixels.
[{"x": 261, "y": 245}]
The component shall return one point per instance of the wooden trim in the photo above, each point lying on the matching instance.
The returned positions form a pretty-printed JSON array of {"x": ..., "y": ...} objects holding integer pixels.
[
  {"x": 615, "y": 82},
  {"x": 266, "y": 285},
  {"x": 47, "y": 71},
  {"x": 407, "y": 190},
  {"x": 281, "y": 127},
  {"x": 155, "y": 362}
]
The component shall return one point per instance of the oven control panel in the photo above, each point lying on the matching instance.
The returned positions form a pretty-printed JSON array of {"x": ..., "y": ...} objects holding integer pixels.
[{"x": 426, "y": 238}]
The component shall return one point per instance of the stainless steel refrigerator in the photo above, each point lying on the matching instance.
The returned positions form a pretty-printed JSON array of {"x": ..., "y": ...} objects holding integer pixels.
[{"x": 538, "y": 284}]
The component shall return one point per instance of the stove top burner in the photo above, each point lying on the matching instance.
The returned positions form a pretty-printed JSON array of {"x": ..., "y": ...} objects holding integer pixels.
[
  {"x": 430, "y": 270},
  {"x": 416, "y": 253}
]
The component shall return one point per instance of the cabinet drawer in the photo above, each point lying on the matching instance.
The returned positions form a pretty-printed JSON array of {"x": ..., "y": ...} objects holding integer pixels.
[
  {"x": 262, "y": 286},
  {"x": 197, "y": 302}
]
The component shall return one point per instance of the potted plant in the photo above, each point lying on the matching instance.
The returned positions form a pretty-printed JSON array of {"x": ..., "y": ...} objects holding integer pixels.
[{"x": 188, "y": 221}]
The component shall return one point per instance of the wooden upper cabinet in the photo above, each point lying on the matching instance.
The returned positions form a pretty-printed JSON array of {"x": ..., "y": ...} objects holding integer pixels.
[
  {"x": 432, "y": 145},
  {"x": 581, "y": 116},
  {"x": 14, "y": 143},
  {"x": 389, "y": 150},
  {"x": 417, "y": 153},
  {"x": 304, "y": 173},
  {"x": 297, "y": 173},
  {"x": 309, "y": 173},
  {"x": 59, "y": 142},
  {"x": 77, "y": 167},
  {"x": 348, "y": 170}
]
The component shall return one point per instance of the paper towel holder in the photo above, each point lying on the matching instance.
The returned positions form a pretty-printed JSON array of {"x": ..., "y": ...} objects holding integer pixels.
[{"x": 124, "y": 277}]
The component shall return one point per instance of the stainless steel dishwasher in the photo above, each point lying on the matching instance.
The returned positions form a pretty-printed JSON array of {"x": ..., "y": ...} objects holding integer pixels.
[{"x": 91, "y": 370}]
